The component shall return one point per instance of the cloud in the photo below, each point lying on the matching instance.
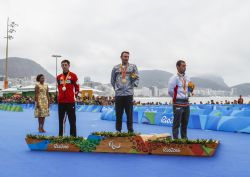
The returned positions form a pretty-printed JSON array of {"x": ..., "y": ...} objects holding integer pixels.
[{"x": 213, "y": 36}]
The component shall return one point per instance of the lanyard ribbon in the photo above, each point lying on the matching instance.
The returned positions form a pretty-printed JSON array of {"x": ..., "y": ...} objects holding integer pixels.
[
  {"x": 184, "y": 83},
  {"x": 64, "y": 81},
  {"x": 123, "y": 71}
]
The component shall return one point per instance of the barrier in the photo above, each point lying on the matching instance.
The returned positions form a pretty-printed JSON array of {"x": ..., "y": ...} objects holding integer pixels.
[
  {"x": 232, "y": 118},
  {"x": 79, "y": 108},
  {"x": 11, "y": 108}
]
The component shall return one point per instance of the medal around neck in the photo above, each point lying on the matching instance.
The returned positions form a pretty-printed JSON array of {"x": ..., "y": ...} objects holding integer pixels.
[
  {"x": 64, "y": 88},
  {"x": 64, "y": 82},
  {"x": 124, "y": 71},
  {"x": 124, "y": 81}
]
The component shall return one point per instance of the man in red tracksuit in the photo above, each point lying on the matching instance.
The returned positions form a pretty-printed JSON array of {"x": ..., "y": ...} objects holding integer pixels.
[{"x": 68, "y": 89}]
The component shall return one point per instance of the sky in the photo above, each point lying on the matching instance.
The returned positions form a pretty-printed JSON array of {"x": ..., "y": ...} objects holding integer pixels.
[{"x": 212, "y": 36}]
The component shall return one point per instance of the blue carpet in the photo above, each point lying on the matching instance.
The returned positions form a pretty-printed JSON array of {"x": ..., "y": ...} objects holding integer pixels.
[{"x": 232, "y": 158}]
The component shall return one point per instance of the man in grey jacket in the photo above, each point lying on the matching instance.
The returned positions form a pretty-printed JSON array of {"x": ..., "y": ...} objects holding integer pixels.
[
  {"x": 178, "y": 89},
  {"x": 124, "y": 78}
]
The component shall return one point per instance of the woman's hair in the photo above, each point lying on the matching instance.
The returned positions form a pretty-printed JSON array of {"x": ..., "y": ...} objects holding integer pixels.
[{"x": 38, "y": 77}]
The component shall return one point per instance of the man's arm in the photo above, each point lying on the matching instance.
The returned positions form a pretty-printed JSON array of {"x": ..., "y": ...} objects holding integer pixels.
[
  {"x": 136, "y": 75},
  {"x": 58, "y": 80},
  {"x": 113, "y": 78},
  {"x": 77, "y": 86},
  {"x": 171, "y": 86}
]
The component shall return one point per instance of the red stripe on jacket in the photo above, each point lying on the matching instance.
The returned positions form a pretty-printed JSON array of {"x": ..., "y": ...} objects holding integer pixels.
[{"x": 175, "y": 93}]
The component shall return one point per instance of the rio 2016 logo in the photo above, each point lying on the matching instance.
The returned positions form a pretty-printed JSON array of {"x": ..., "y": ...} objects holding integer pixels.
[
  {"x": 61, "y": 146},
  {"x": 166, "y": 120},
  {"x": 171, "y": 150}
]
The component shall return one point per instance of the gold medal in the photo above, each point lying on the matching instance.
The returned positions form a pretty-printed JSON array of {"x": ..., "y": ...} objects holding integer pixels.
[
  {"x": 124, "y": 81},
  {"x": 124, "y": 71}
]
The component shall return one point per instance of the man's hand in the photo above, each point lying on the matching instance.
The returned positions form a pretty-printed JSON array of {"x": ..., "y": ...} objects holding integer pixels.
[
  {"x": 134, "y": 76},
  {"x": 191, "y": 87},
  {"x": 78, "y": 95}
]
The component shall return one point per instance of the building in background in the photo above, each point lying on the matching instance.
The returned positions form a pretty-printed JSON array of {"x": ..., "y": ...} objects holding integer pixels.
[
  {"x": 1, "y": 82},
  {"x": 163, "y": 92},
  {"x": 155, "y": 91},
  {"x": 142, "y": 92}
]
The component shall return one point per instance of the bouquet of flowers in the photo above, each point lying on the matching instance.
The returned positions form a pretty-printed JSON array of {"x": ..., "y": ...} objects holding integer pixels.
[
  {"x": 191, "y": 87},
  {"x": 134, "y": 76}
]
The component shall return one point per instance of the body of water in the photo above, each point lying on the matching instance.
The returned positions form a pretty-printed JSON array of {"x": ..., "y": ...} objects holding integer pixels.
[{"x": 192, "y": 99}]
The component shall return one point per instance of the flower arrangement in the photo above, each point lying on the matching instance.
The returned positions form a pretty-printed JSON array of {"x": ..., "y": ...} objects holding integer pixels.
[
  {"x": 185, "y": 141},
  {"x": 56, "y": 139},
  {"x": 191, "y": 87},
  {"x": 115, "y": 134}
]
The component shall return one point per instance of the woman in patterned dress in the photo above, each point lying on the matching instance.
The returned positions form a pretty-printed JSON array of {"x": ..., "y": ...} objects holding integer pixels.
[{"x": 42, "y": 102}]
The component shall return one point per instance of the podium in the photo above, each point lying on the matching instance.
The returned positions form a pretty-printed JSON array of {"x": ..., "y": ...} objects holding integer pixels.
[{"x": 126, "y": 143}]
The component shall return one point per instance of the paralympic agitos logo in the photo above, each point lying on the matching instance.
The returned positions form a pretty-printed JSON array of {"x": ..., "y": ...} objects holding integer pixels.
[{"x": 113, "y": 146}]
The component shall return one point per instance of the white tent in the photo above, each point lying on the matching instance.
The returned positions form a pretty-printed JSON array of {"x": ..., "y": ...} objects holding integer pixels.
[
  {"x": 89, "y": 88},
  {"x": 31, "y": 88},
  {"x": 10, "y": 90},
  {"x": 52, "y": 88}
]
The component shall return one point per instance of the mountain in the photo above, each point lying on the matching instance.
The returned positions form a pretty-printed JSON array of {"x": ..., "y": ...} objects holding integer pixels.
[
  {"x": 160, "y": 79},
  {"x": 156, "y": 78},
  {"x": 209, "y": 83},
  {"x": 219, "y": 81},
  {"x": 22, "y": 67},
  {"x": 242, "y": 89}
]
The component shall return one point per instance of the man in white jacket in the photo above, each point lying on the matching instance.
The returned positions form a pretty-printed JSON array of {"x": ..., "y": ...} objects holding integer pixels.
[{"x": 178, "y": 90}]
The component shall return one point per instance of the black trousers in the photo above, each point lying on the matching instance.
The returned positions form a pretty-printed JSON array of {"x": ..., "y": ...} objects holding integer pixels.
[
  {"x": 124, "y": 103},
  {"x": 64, "y": 110},
  {"x": 181, "y": 117}
]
